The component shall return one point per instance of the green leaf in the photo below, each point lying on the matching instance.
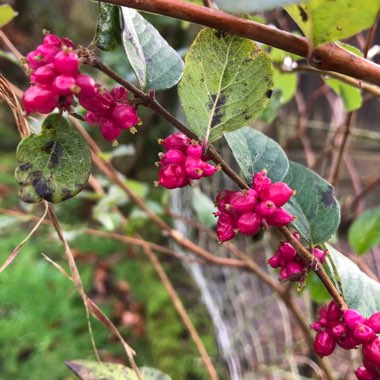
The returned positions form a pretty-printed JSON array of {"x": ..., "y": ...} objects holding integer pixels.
[
  {"x": 315, "y": 206},
  {"x": 364, "y": 234},
  {"x": 351, "y": 96},
  {"x": 54, "y": 165},
  {"x": 156, "y": 64},
  {"x": 360, "y": 292},
  {"x": 108, "y": 30},
  {"x": 325, "y": 21},
  {"x": 254, "y": 152},
  {"x": 89, "y": 370},
  {"x": 271, "y": 110},
  {"x": 318, "y": 292},
  {"x": 287, "y": 84},
  {"x": 241, "y": 6},
  {"x": 7, "y": 14},
  {"x": 227, "y": 82}
]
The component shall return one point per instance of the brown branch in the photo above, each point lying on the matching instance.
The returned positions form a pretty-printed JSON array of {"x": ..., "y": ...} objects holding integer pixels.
[
  {"x": 182, "y": 313},
  {"x": 327, "y": 57},
  {"x": 365, "y": 192}
]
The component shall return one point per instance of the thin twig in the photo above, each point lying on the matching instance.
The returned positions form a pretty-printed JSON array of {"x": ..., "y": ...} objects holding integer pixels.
[
  {"x": 372, "y": 186},
  {"x": 182, "y": 313}
]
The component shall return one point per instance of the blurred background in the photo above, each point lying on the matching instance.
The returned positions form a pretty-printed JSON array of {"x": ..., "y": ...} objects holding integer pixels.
[{"x": 247, "y": 331}]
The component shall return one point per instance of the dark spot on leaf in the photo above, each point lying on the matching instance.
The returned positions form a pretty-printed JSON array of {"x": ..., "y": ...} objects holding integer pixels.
[
  {"x": 42, "y": 188},
  {"x": 48, "y": 147},
  {"x": 66, "y": 194},
  {"x": 328, "y": 196},
  {"x": 303, "y": 13},
  {"x": 219, "y": 34},
  {"x": 269, "y": 94},
  {"x": 218, "y": 114},
  {"x": 56, "y": 154},
  {"x": 247, "y": 117},
  {"x": 25, "y": 166}
]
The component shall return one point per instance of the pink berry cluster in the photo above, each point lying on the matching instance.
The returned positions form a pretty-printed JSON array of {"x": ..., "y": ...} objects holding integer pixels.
[
  {"x": 248, "y": 211},
  {"x": 54, "y": 73},
  {"x": 349, "y": 329},
  {"x": 182, "y": 162},
  {"x": 292, "y": 266}
]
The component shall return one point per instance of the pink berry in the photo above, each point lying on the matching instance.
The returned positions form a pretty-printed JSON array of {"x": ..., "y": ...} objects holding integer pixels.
[
  {"x": 371, "y": 352},
  {"x": 374, "y": 322},
  {"x": 287, "y": 251},
  {"x": 40, "y": 99},
  {"x": 296, "y": 235},
  {"x": 274, "y": 261},
  {"x": 67, "y": 42},
  {"x": 177, "y": 141},
  {"x": 173, "y": 176},
  {"x": 109, "y": 130},
  {"x": 333, "y": 311},
  {"x": 100, "y": 104},
  {"x": 319, "y": 254},
  {"x": 194, "y": 150},
  {"x": 52, "y": 39},
  {"x": 294, "y": 271},
  {"x": 283, "y": 275},
  {"x": 223, "y": 199},
  {"x": 63, "y": 84},
  {"x": 91, "y": 119},
  {"x": 208, "y": 169},
  {"x": 173, "y": 156},
  {"x": 265, "y": 209},
  {"x": 87, "y": 85},
  {"x": 43, "y": 75},
  {"x": 67, "y": 63},
  {"x": 34, "y": 60},
  {"x": 249, "y": 223},
  {"x": 348, "y": 342},
  {"x": 371, "y": 368},
  {"x": 225, "y": 228},
  {"x": 324, "y": 344},
  {"x": 243, "y": 202},
  {"x": 194, "y": 167},
  {"x": 279, "y": 218},
  {"x": 125, "y": 115},
  {"x": 47, "y": 52},
  {"x": 338, "y": 331},
  {"x": 352, "y": 318},
  {"x": 363, "y": 334},
  {"x": 279, "y": 193},
  {"x": 260, "y": 181},
  {"x": 120, "y": 95},
  {"x": 316, "y": 326},
  {"x": 363, "y": 374}
]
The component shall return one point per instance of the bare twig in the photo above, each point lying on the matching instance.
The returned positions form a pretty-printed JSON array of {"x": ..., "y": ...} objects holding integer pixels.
[
  {"x": 327, "y": 57},
  {"x": 182, "y": 313}
]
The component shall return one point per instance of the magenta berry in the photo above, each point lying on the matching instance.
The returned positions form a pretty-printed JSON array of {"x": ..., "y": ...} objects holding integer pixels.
[
  {"x": 47, "y": 53},
  {"x": 371, "y": 352},
  {"x": 177, "y": 141},
  {"x": 348, "y": 342},
  {"x": 265, "y": 209},
  {"x": 173, "y": 156},
  {"x": 243, "y": 202},
  {"x": 87, "y": 85},
  {"x": 225, "y": 228},
  {"x": 319, "y": 254},
  {"x": 40, "y": 99},
  {"x": 66, "y": 62},
  {"x": 374, "y": 322},
  {"x": 352, "y": 318},
  {"x": 43, "y": 75},
  {"x": 287, "y": 251},
  {"x": 194, "y": 167},
  {"x": 249, "y": 223},
  {"x": 274, "y": 261},
  {"x": 279, "y": 193},
  {"x": 363, "y": 334},
  {"x": 363, "y": 374},
  {"x": 52, "y": 39},
  {"x": 173, "y": 176},
  {"x": 324, "y": 344},
  {"x": 109, "y": 130},
  {"x": 209, "y": 170},
  {"x": 279, "y": 218},
  {"x": 339, "y": 331},
  {"x": 333, "y": 311},
  {"x": 194, "y": 150},
  {"x": 294, "y": 271},
  {"x": 63, "y": 84},
  {"x": 260, "y": 181},
  {"x": 125, "y": 115}
]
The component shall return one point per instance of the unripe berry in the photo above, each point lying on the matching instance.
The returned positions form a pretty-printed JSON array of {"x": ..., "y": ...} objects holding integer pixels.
[
  {"x": 279, "y": 218},
  {"x": 363, "y": 334},
  {"x": 374, "y": 322},
  {"x": 324, "y": 344},
  {"x": 225, "y": 228},
  {"x": 352, "y": 318},
  {"x": 249, "y": 223},
  {"x": 279, "y": 193},
  {"x": 40, "y": 99},
  {"x": 66, "y": 62}
]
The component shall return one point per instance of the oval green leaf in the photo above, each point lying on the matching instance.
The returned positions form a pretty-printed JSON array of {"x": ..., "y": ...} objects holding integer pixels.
[
  {"x": 7, "y": 14},
  {"x": 254, "y": 152},
  {"x": 248, "y": 6},
  {"x": 89, "y": 370},
  {"x": 360, "y": 292},
  {"x": 54, "y": 165},
  {"x": 156, "y": 64},
  {"x": 364, "y": 232},
  {"x": 325, "y": 21},
  {"x": 108, "y": 30},
  {"x": 226, "y": 83},
  {"x": 351, "y": 96},
  {"x": 315, "y": 206}
]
